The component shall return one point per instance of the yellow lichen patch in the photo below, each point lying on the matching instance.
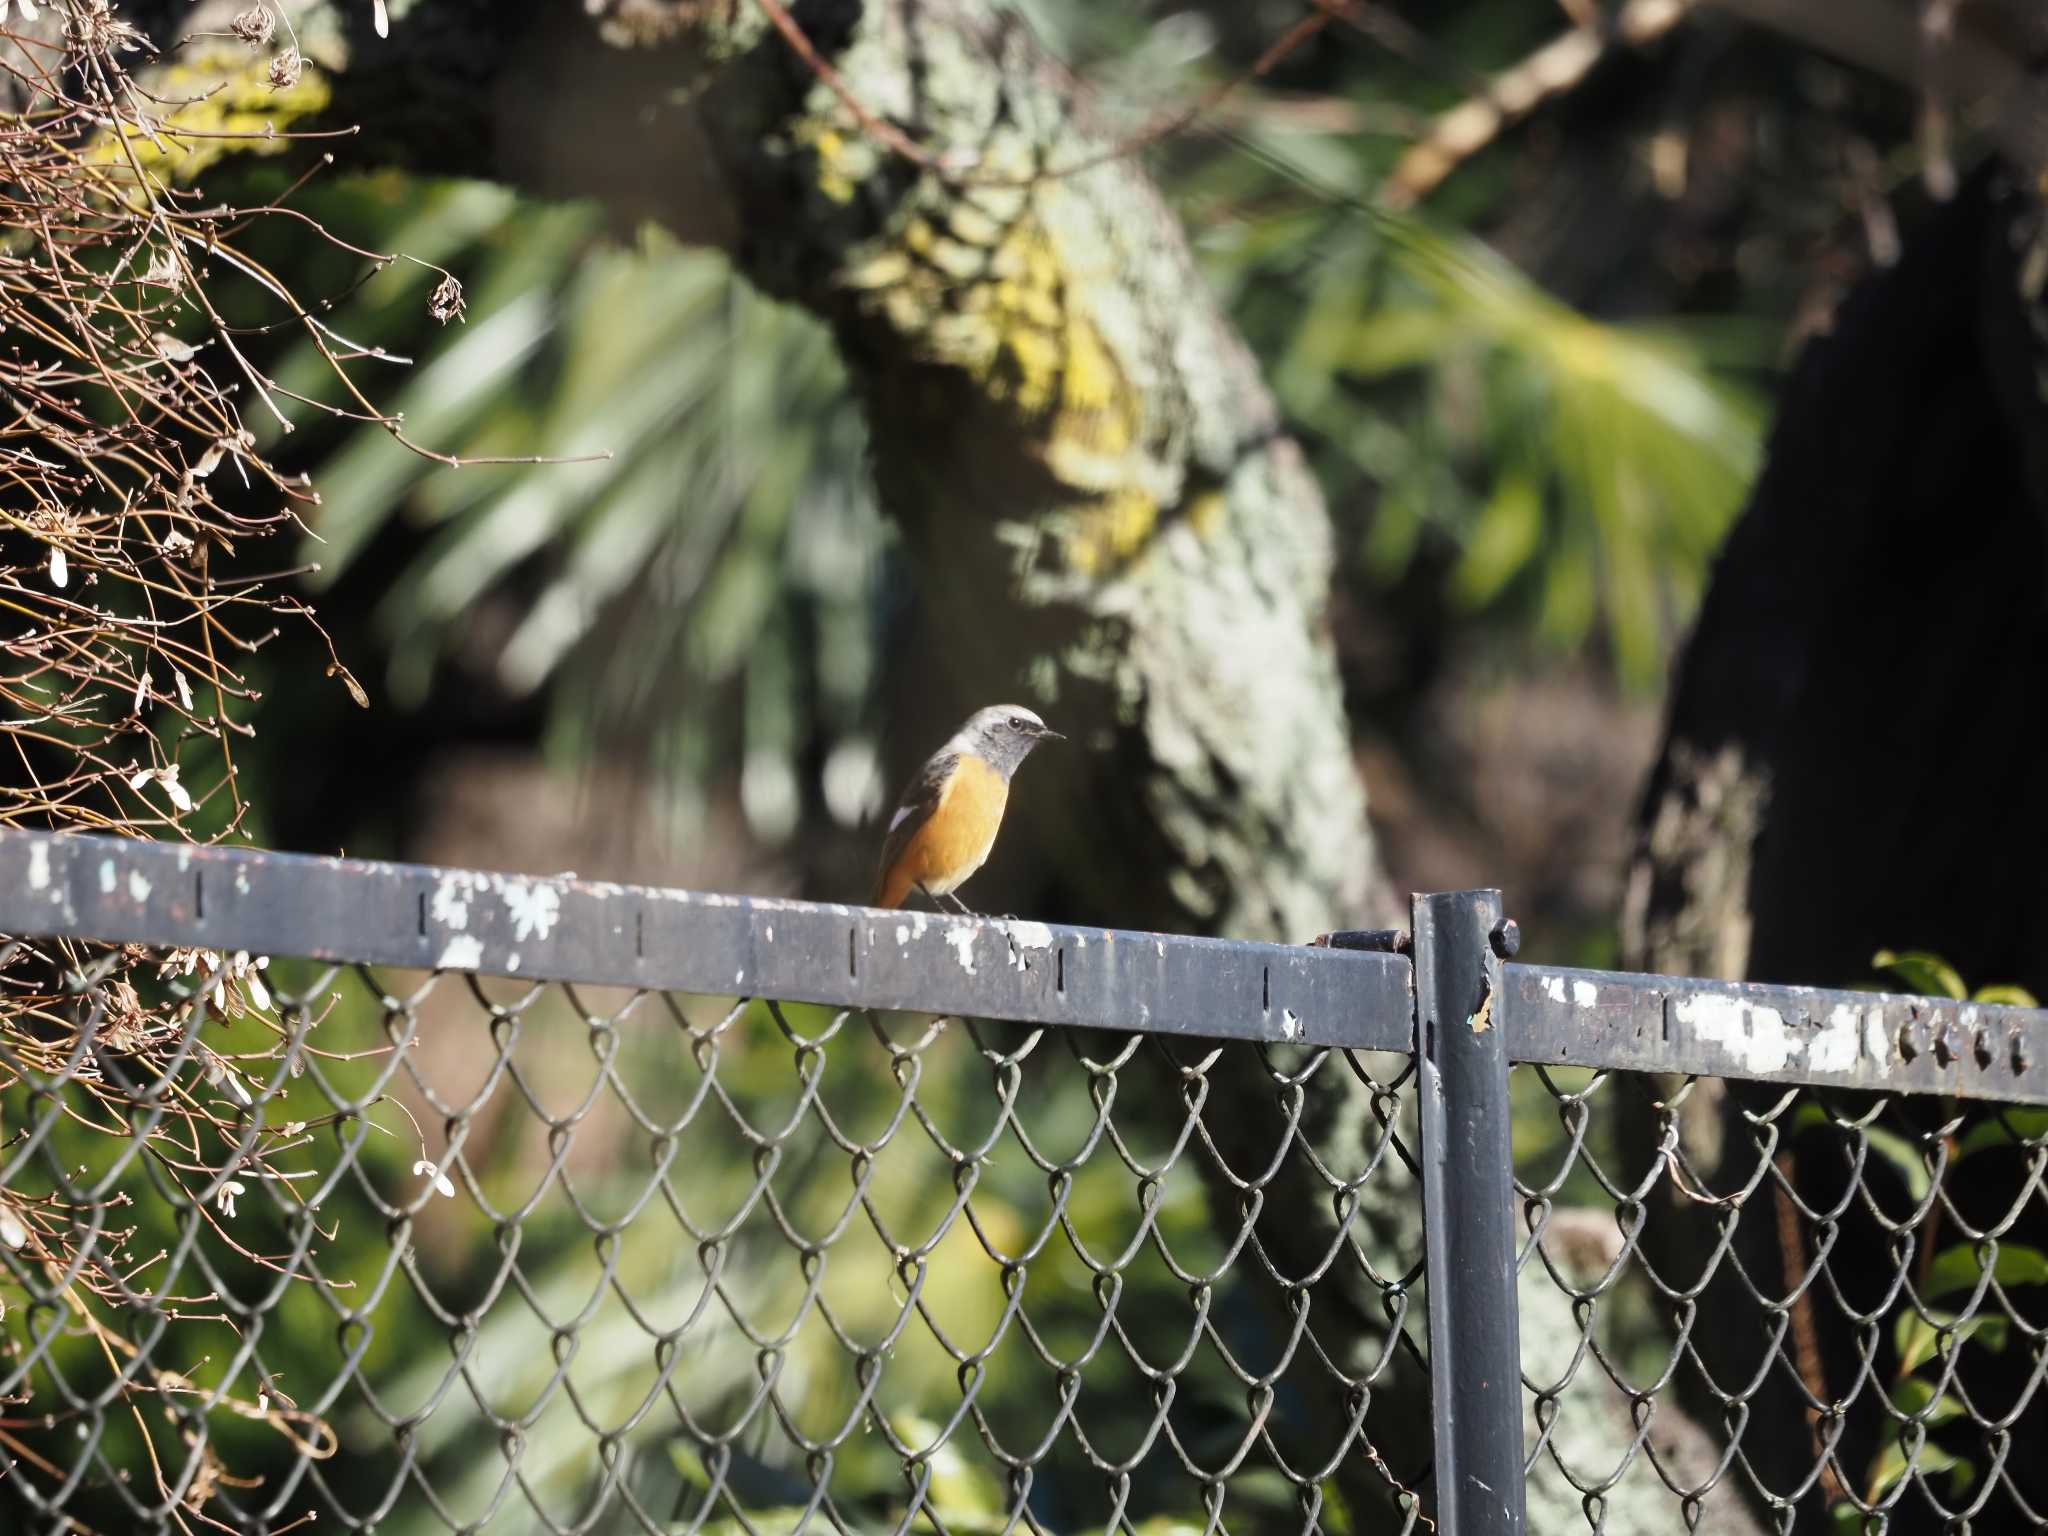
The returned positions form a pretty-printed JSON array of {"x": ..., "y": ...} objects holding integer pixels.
[
  {"x": 1096, "y": 406},
  {"x": 1013, "y": 319},
  {"x": 1110, "y": 530},
  {"x": 840, "y": 166},
  {"x": 1205, "y": 514},
  {"x": 230, "y": 108},
  {"x": 1049, "y": 358}
]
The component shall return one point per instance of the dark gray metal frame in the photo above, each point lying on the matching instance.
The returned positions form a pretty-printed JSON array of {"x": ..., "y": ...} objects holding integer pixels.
[{"x": 1445, "y": 994}]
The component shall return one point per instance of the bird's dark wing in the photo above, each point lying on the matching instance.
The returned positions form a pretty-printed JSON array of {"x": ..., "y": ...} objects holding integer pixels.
[{"x": 915, "y": 809}]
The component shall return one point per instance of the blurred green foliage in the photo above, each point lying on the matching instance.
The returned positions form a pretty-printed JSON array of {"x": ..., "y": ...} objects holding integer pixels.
[{"x": 720, "y": 530}]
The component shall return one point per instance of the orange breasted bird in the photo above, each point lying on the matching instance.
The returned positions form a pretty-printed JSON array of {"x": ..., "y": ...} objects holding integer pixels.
[{"x": 947, "y": 823}]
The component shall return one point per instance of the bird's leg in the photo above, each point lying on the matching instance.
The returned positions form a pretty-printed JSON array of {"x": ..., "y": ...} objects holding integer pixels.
[{"x": 938, "y": 902}]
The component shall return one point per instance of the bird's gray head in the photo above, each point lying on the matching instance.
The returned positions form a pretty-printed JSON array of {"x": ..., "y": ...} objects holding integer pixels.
[{"x": 1002, "y": 736}]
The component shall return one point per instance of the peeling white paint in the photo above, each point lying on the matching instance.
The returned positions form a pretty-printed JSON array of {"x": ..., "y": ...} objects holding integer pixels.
[
  {"x": 1752, "y": 1034},
  {"x": 1835, "y": 1043},
  {"x": 961, "y": 940},
  {"x": 138, "y": 888},
  {"x": 1585, "y": 994},
  {"x": 771, "y": 933},
  {"x": 107, "y": 877},
  {"x": 464, "y": 952},
  {"x": 1159, "y": 945},
  {"x": 512, "y": 961},
  {"x": 534, "y": 908},
  {"x": 1553, "y": 988},
  {"x": 1877, "y": 1041},
  {"x": 902, "y": 934},
  {"x": 1029, "y": 935},
  {"x": 38, "y": 866},
  {"x": 1290, "y": 1024},
  {"x": 450, "y": 906}
]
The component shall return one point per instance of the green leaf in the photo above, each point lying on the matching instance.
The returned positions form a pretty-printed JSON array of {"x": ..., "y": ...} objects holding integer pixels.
[
  {"x": 2007, "y": 1127},
  {"x": 1958, "y": 1268},
  {"x": 1508, "y": 534},
  {"x": 1905, "y": 1156},
  {"x": 1918, "y": 1337},
  {"x": 1915, "y": 1395},
  {"x": 1891, "y": 1464},
  {"x": 1922, "y": 972},
  {"x": 2005, "y": 996}
]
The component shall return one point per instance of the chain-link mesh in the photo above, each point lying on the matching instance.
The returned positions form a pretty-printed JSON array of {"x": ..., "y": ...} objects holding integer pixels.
[
  {"x": 1819, "y": 1310},
  {"x": 434, "y": 1252}
]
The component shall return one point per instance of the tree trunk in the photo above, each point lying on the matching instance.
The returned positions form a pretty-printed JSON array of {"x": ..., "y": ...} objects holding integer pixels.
[
  {"x": 1095, "y": 494},
  {"x": 1851, "y": 760}
]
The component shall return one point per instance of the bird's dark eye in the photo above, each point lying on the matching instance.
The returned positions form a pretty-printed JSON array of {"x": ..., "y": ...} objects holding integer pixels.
[{"x": 1017, "y": 723}]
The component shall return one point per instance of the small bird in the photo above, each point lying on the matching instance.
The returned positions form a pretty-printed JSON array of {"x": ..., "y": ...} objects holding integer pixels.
[{"x": 950, "y": 814}]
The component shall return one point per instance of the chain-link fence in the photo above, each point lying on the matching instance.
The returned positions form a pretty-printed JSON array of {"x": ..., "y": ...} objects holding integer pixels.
[
  {"x": 1821, "y": 1285},
  {"x": 460, "y": 1202}
]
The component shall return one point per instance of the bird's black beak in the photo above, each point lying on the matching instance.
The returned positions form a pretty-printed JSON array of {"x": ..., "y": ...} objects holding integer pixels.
[{"x": 1047, "y": 733}]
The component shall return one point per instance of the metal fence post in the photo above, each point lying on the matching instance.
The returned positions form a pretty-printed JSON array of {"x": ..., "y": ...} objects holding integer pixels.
[{"x": 1468, "y": 1215}]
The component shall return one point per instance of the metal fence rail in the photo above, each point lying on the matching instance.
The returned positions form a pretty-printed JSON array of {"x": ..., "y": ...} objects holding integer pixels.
[{"x": 487, "y": 1202}]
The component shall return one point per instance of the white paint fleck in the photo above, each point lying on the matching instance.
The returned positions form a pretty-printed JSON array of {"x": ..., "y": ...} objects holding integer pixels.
[
  {"x": 961, "y": 940},
  {"x": 465, "y": 952},
  {"x": 241, "y": 881},
  {"x": 534, "y": 908},
  {"x": 771, "y": 933},
  {"x": 1553, "y": 988},
  {"x": 38, "y": 866},
  {"x": 138, "y": 888},
  {"x": 1290, "y": 1024},
  {"x": 1834, "y": 1044},
  {"x": 451, "y": 901},
  {"x": 1877, "y": 1041},
  {"x": 107, "y": 877},
  {"x": 902, "y": 934},
  {"x": 1585, "y": 994},
  {"x": 1159, "y": 945},
  {"x": 512, "y": 961},
  {"x": 739, "y": 977},
  {"x": 1029, "y": 935},
  {"x": 1755, "y": 1036}
]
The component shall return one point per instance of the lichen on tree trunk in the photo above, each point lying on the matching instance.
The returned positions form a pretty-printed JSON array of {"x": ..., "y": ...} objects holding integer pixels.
[{"x": 1090, "y": 475}]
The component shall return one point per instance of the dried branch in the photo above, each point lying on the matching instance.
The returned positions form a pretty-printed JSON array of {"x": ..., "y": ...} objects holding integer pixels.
[{"x": 131, "y": 489}]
